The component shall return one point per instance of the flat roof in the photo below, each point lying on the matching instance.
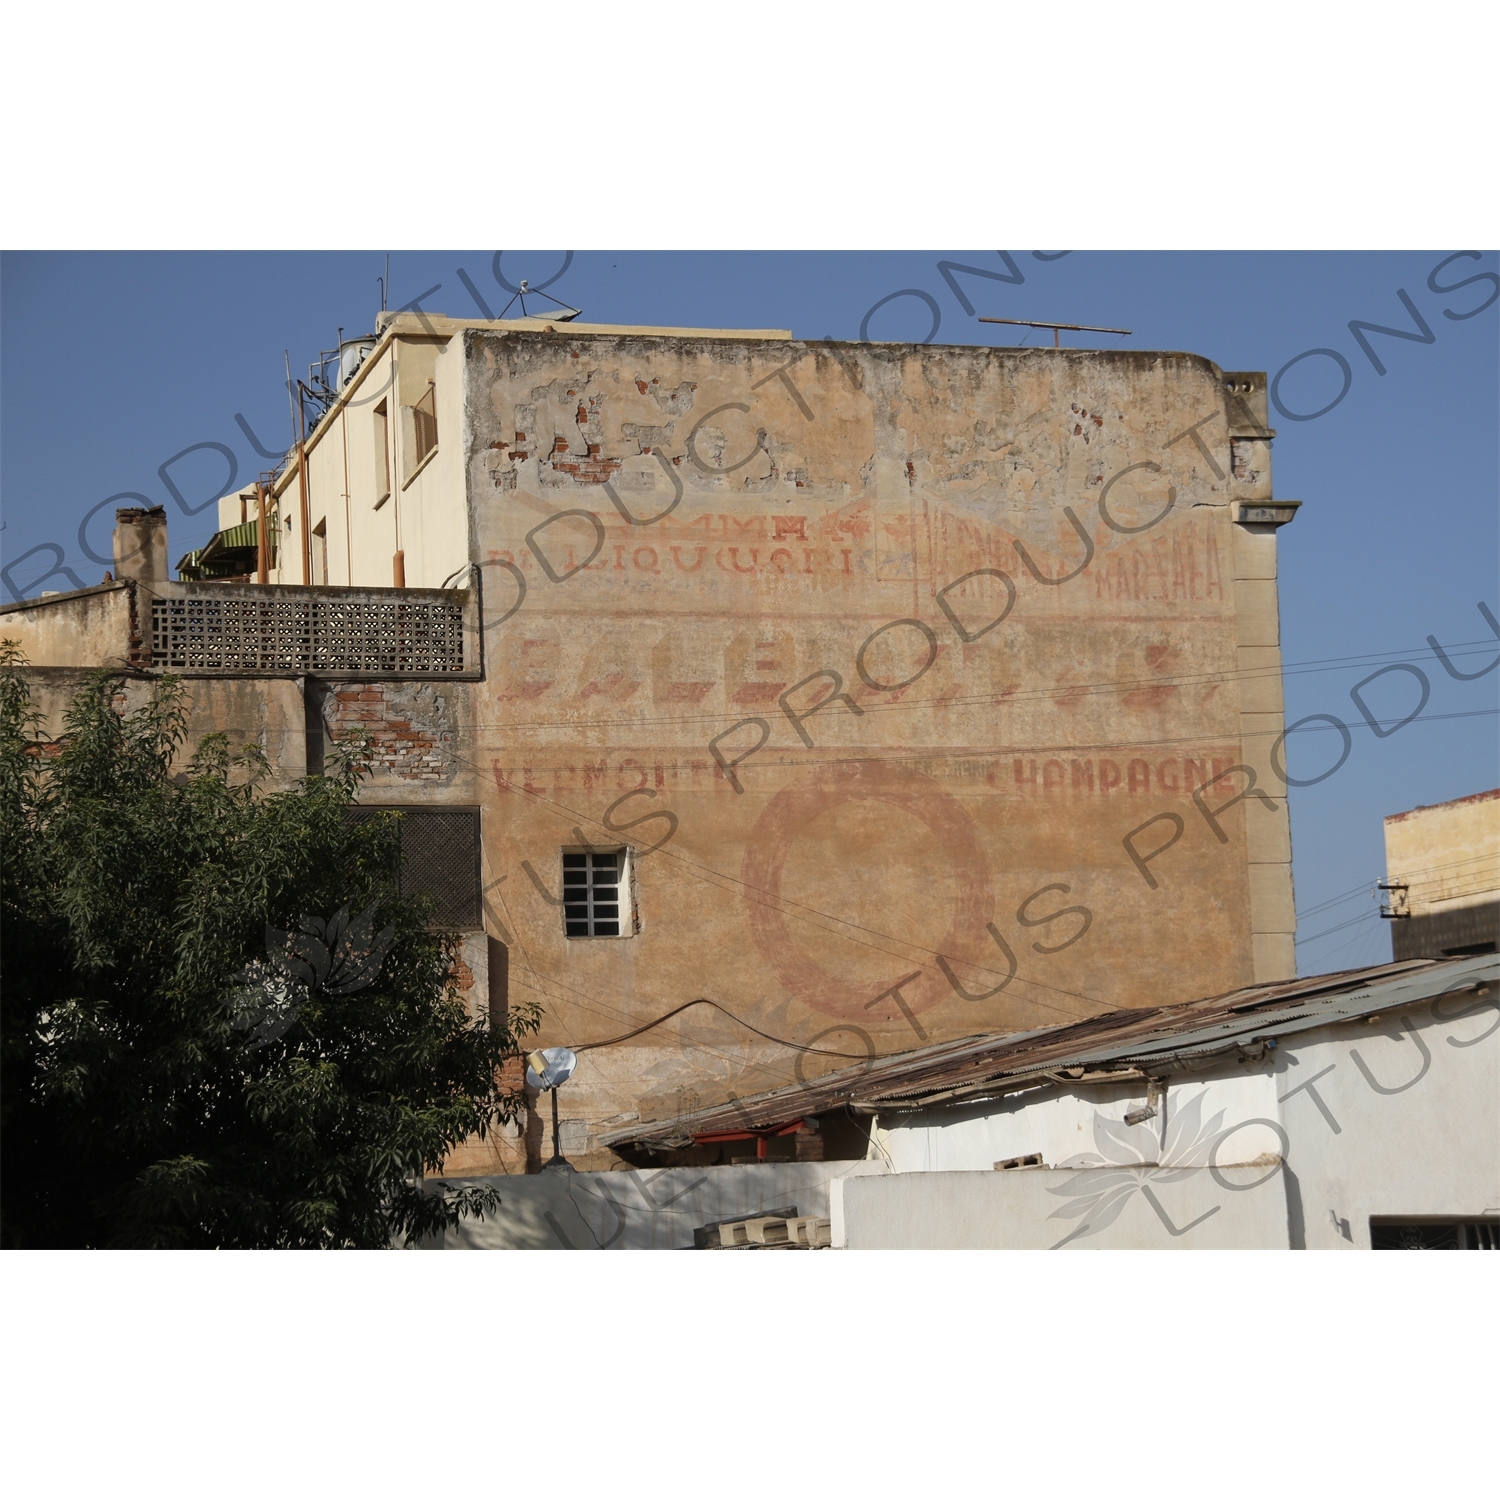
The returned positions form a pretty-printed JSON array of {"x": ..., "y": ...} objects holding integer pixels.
[{"x": 1434, "y": 806}]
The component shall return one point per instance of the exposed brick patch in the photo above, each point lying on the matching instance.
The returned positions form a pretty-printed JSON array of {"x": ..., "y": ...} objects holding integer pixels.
[
  {"x": 410, "y": 727},
  {"x": 809, "y": 1142}
]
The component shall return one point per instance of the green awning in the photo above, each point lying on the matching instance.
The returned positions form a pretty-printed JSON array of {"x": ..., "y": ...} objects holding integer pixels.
[
  {"x": 243, "y": 535},
  {"x": 217, "y": 557}
]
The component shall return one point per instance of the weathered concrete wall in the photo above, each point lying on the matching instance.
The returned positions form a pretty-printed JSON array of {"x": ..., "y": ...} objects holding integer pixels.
[
  {"x": 95, "y": 627},
  {"x": 268, "y": 712},
  {"x": 1443, "y": 863},
  {"x": 641, "y": 1210},
  {"x": 1010, "y": 583},
  {"x": 783, "y": 522}
]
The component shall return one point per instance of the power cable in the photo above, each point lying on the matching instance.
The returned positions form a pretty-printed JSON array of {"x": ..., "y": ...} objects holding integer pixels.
[
  {"x": 1292, "y": 669},
  {"x": 739, "y": 1021}
]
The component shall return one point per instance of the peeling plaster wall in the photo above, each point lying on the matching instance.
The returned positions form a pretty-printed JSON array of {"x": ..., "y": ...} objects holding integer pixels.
[
  {"x": 672, "y": 532},
  {"x": 90, "y": 628},
  {"x": 413, "y": 727},
  {"x": 807, "y": 496}
]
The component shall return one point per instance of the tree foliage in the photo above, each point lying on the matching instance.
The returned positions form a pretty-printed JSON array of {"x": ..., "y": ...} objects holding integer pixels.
[{"x": 221, "y": 1024}]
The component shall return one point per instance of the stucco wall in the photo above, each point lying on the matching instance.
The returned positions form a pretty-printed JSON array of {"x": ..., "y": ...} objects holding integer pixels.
[
  {"x": 1448, "y": 854},
  {"x": 267, "y": 712},
  {"x": 1234, "y": 1208},
  {"x": 773, "y": 506},
  {"x": 425, "y": 515},
  {"x": 88, "y": 628}
]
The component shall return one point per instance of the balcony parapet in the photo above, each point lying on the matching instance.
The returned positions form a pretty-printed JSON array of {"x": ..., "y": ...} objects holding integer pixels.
[{"x": 240, "y": 630}]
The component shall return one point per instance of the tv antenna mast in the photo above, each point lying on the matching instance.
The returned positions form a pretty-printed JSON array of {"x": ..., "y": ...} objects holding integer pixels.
[
  {"x": 565, "y": 315},
  {"x": 1072, "y": 327}
]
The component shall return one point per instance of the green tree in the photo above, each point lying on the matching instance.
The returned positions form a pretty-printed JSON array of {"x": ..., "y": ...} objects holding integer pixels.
[{"x": 221, "y": 1025}]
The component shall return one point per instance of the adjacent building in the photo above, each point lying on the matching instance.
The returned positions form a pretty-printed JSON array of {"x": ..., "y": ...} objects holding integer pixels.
[{"x": 1443, "y": 878}]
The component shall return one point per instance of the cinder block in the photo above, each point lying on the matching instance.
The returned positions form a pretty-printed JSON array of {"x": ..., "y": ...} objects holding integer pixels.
[
  {"x": 1255, "y": 612},
  {"x": 1268, "y": 838},
  {"x": 1274, "y": 956},
  {"x": 1254, "y": 553},
  {"x": 1271, "y": 905}
]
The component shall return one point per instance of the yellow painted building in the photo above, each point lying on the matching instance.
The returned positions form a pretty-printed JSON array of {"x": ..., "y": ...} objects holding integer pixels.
[{"x": 1443, "y": 876}]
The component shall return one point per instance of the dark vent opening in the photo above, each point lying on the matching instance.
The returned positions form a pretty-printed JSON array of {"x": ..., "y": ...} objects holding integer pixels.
[{"x": 439, "y": 859}]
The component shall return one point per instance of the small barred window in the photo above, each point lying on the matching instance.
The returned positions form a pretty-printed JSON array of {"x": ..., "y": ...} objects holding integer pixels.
[{"x": 596, "y": 900}]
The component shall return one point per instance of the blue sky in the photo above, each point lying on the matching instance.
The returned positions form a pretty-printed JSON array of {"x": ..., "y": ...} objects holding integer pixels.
[{"x": 113, "y": 363}]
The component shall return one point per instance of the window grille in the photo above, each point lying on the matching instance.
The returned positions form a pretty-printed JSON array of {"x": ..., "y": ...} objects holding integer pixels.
[
  {"x": 439, "y": 858},
  {"x": 1435, "y": 1234},
  {"x": 592, "y": 895},
  {"x": 219, "y": 633},
  {"x": 424, "y": 425}
]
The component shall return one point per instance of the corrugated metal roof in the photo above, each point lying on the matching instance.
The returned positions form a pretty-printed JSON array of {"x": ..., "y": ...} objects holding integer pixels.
[{"x": 1124, "y": 1043}]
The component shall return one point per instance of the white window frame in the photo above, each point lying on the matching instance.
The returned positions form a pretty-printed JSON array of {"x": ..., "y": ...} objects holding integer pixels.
[{"x": 582, "y": 913}]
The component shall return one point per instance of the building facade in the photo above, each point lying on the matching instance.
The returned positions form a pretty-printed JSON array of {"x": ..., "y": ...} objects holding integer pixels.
[
  {"x": 877, "y": 694},
  {"x": 1443, "y": 878}
]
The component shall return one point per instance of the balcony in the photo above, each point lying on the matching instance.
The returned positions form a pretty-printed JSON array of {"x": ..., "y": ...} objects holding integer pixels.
[{"x": 245, "y": 629}]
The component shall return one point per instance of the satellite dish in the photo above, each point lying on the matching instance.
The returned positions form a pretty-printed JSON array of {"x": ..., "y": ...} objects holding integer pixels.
[{"x": 550, "y": 1067}]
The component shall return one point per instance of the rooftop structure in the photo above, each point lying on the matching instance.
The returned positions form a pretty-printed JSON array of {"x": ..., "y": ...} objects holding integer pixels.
[{"x": 1443, "y": 878}]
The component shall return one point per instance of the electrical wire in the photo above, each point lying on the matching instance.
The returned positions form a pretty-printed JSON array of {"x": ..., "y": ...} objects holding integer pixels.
[
  {"x": 703, "y": 872},
  {"x": 1328, "y": 932},
  {"x": 739, "y": 1021},
  {"x": 1291, "y": 669},
  {"x": 1359, "y": 890},
  {"x": 993, "y": 752}
]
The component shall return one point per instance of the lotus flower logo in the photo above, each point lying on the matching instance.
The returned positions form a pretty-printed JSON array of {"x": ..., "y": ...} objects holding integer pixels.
[
  {"x": 1140, "y": 1162},
  {"x": 340, "y": 956}
]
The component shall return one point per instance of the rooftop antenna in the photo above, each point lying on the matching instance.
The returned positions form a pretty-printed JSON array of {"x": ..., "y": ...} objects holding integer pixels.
[
  {"x": 1072, "y": 327},
  {"x": 565, "y": 316},
  {"x": 547, "y": 1070},
  {"x": 290, "y": 399}
]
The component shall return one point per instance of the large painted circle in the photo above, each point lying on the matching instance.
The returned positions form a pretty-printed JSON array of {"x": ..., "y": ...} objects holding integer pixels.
[{"x": 771, "y": 840}]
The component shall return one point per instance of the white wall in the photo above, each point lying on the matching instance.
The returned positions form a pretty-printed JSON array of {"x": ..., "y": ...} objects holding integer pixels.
[
  {"x": 1231, "y": 1208},
  {"x": 1430, "y": 1146}
]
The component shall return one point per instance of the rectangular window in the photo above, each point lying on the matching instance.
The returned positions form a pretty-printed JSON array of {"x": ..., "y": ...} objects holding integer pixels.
[
  {"x": 424, "y": 425},
  {"x": 382, "y": 457},
  {"x": 1435, "y": 1234},
  {"x": 320, "y": 552},
  {"x": 596, "y": 896}
]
